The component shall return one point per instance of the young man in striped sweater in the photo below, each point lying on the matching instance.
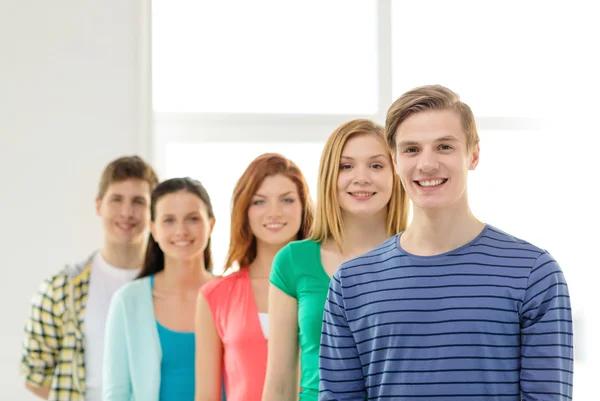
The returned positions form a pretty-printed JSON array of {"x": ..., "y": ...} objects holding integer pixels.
[{"x": 452, "y": 308}]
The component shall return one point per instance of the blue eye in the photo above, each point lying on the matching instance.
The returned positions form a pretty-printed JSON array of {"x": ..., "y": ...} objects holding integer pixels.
[
  {"x": 258, "y": 202},
  {"x": 289, "y": 200}
]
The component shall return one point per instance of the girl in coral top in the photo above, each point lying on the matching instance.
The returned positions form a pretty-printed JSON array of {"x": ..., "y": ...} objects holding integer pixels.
[{"x": 271, "y": 207}]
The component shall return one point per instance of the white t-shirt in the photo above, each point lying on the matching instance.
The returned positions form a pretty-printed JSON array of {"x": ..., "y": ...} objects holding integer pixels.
[
  {"x": 105, "y": 280},
  {"x": 264, "y": 323}
]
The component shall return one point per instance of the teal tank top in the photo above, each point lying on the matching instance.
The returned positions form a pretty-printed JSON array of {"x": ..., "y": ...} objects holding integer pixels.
[{"x": 177, "y": 381}]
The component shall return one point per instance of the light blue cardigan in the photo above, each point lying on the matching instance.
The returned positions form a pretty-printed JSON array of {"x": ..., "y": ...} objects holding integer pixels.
[{"x": 132, "y": 352}]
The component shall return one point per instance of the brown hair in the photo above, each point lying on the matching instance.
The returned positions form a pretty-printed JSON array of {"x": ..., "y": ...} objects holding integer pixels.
[
  {"x": 124, "y": 168},
  {"x": 154, "y": 261},
  {"x": 242, "y": 243},
  {"x": 430, "y": 97},
  {"x": 328, "y": 217}
]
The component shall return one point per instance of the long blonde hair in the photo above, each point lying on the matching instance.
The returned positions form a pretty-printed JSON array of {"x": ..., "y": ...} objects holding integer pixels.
[{"x": 328, "y": 216}]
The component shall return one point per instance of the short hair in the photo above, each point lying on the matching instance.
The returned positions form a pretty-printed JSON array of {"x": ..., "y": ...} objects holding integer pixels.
[
  {"x": 429, "y": 97},
  {"x": 328, "y": 216},
  {"x": 242, "y": 243},
  {"x": 124, "y": 168}
]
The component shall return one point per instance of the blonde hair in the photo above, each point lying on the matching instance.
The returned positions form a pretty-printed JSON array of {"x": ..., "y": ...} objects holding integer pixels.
[
  {"x": 328, "y": 217},
  {"x": 429, "y": 97}
]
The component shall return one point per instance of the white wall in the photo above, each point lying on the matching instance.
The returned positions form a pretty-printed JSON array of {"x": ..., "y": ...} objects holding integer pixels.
[{"x": 70, "y": 92}]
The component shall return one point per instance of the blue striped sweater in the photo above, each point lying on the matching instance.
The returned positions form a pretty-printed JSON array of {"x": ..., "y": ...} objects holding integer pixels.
[{"x": 490, "y": 320}]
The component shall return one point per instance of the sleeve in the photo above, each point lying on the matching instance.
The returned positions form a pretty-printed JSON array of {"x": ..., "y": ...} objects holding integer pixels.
[
  {"x": 340, "y": 369},
  {"x": 546, "y": 335},
  {"x": 116, "y": 380},
  {"x": 283, "y": 274},
  {"x": 43, "y": 335}
]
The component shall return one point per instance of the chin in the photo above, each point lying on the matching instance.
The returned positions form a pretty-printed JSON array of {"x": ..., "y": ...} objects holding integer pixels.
[{"x": 280, "y": 240}]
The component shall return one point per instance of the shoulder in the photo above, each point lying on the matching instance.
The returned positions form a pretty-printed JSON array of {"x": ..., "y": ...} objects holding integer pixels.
[
  {"x": 55, "y": 287},
  {"x": 133, "y": 291},
  {"x": 494, "y": 238},
  {"x": 381, "y": 254},
  {"x": 219, "y": 285},
  {"x": 299, "y": 249}
]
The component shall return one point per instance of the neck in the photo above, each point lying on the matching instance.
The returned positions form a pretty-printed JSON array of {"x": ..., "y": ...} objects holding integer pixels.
[
  {"x": 363, "y": 233},
  {"x": 184, "y": 274},
  {"x": 265, "y": 253},
  {"x": 432, "y": 232},
  {"x": 129, "y": 256}
]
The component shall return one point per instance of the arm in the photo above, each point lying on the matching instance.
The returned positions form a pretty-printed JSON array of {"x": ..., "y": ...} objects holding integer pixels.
[
  {"x": 546, "y": 335},
  {"x": 116, "y": 381},
  {"x": 41, "y": 344},
  {"x": 340, "y": 369},
  {"x": 281, "y": 382},
  {"x": 209, "y": 354}
]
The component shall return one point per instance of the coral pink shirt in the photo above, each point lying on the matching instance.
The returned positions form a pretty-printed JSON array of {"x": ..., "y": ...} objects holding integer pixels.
[{"x": 234, "y": 311}]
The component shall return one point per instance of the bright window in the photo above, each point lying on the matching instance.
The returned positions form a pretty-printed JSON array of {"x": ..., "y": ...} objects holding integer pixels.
[
  {"x": 265, "y": 56},
  {"x": 505, "y": 58}
]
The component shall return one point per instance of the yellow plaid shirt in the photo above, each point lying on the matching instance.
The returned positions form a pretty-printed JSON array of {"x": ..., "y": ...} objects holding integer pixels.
[{"x": 53, "y": 345}]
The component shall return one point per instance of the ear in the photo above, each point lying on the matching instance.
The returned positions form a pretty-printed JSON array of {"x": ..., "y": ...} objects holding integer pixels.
[
  {"x": 98, "y": 205},
  {"x": 211, "y": 223},
  {"x": 394, "y": 161},
  {"x": 474, "y": 158}
]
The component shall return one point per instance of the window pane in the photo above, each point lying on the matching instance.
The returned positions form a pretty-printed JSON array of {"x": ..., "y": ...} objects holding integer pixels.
[
  {"x": 505, "y": 58},
  {"x": 265, "y": 56},
  {"x": 219, "y": 165}
]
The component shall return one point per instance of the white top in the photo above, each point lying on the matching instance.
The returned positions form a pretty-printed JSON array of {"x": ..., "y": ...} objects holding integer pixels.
[
  {"x": 105, "y": 280},
  {"x": 264, "y": 323}
]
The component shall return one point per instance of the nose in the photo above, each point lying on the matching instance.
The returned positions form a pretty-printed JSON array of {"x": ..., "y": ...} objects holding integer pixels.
[
  {"x": 126, "y": 209},
  {"x": 274, "y": 209},
  {"x": 428, "y": 161},
  {"x": 362, "y": 175},
  {"x": 181, "y": 229}
]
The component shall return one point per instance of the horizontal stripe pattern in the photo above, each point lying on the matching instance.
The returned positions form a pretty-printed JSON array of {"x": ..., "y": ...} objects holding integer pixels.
[{"x": 490, "y": 320}]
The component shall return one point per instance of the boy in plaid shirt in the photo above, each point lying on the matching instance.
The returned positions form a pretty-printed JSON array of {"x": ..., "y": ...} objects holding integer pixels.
[{"x": 64, "y": 335}]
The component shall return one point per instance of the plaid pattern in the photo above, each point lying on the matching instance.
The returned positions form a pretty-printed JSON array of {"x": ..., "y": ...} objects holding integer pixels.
[{"x": 53, "y": 344}]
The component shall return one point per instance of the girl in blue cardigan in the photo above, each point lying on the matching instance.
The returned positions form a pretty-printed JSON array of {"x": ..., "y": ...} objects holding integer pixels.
[{"x": 149, "y": 349}]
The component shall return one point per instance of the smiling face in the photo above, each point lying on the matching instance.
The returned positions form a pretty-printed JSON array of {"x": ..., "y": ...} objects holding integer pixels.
[
  {"x": 125, "y": 212},
  {"x": 181, "y": 225},
  {"x": 275, "y": 212},
  {"x": 366, "y": 176},
  {"x": 432, "y": 159}
]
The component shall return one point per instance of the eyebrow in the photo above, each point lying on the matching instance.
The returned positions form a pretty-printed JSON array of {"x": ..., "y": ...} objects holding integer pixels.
[
  {"x": 285, "y": 194},
  {"x": 188, "y": 214},
  {"x": 447, "y": 138},
  {"x": 372, "y": 157}
]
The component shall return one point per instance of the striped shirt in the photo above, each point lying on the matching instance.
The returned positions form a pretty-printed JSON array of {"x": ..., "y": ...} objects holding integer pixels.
[{"x": 490, "y": 320}]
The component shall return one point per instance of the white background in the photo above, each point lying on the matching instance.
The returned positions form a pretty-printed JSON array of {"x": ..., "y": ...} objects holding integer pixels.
[{"x": 75, "y": 85}]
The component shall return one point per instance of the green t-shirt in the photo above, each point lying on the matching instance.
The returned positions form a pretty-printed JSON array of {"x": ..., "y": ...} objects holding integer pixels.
[{"x": 298, "y": 271}]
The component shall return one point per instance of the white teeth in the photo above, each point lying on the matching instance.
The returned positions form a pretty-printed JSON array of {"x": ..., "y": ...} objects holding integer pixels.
[
  {"x": 182, "y": 243},
  {"x": 362, "y": 194},
  {"x": 274, "y": 225},
  {"x": 430, "y": 183}
]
